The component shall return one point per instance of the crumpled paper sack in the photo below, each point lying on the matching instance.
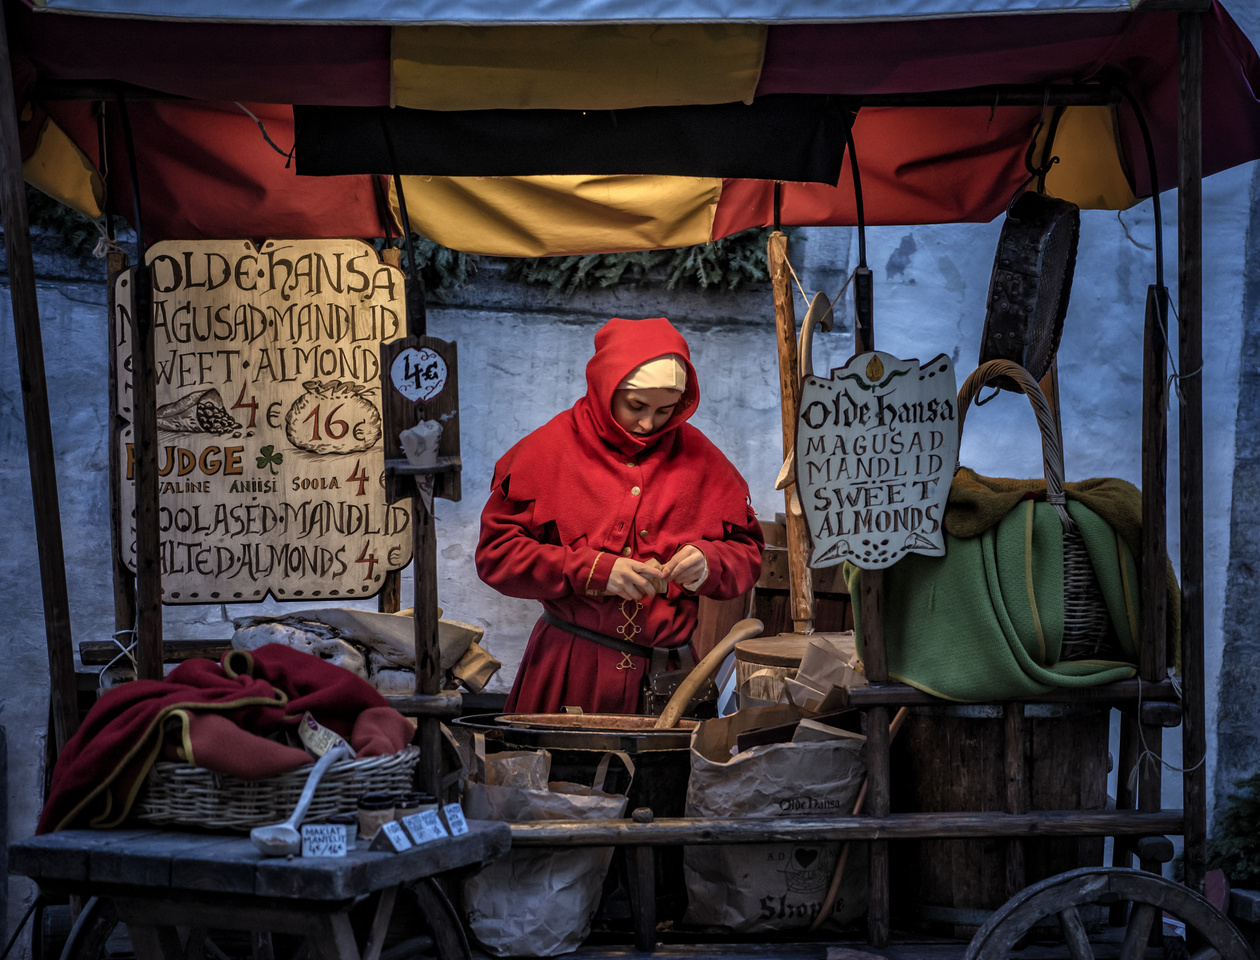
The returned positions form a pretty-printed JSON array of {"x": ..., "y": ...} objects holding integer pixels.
[
  {"x": 537, "y": 902},
  {"x": 827, "y": 667},
  {"x": 749, "y": 888}
]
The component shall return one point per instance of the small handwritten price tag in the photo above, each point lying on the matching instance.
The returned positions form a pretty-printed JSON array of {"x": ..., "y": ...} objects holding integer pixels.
[
  {"x": 454, "y": 816},
  {"x": 392, "y": 837},
  {"x": 323, "y": 840},
  {"x": 418, "y": 374},
  {"x": 425, "y": 826}
]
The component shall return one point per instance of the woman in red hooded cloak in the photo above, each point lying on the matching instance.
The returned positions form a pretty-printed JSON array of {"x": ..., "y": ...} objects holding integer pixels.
[{"x": 617, "y": 514}]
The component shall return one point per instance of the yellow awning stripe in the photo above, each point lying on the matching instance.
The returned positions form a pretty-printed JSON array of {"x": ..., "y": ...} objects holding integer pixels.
[
  {"x": 597, "y": 67},
  {"x": 1089, "y": 173},
  {"x": 548, "y": 216},
  {"x": 60, "y": 169}
]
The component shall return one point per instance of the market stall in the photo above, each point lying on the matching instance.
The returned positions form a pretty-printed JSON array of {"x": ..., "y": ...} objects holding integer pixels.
[{"x": 1130, "y": 92}]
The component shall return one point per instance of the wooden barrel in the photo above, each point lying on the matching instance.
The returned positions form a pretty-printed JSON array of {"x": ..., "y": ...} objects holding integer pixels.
[
  {"x": 953, "y": 758},
  {"x": 763, "y": 662}
]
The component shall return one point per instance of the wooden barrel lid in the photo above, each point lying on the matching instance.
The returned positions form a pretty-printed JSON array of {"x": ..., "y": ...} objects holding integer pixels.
[{"x": 785, "y": 650}]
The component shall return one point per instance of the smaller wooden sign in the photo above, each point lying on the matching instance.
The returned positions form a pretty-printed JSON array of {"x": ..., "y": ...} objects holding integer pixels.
[
  {"x": 420, "y": 382},
  {"x": 425, "y": 826},
  {"x": 323, "y": 840},
  {"x": 876, "y": 449}
]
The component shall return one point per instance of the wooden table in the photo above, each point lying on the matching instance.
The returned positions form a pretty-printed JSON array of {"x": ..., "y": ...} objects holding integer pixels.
[{"x": 171, "y": 888}]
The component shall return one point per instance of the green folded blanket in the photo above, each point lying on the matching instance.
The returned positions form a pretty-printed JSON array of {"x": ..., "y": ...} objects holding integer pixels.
[{"x": 985, "y": 621}]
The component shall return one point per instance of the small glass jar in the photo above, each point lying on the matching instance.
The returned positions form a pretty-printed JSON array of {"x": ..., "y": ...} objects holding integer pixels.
[
  {"x": 375, "y": 810},
  {"x": 350, "y": 821}
]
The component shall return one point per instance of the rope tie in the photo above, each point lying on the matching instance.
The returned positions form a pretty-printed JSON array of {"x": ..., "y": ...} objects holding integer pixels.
[
  {"x": 1148, "y": 758},
  {"x": 125, "y": 651}
]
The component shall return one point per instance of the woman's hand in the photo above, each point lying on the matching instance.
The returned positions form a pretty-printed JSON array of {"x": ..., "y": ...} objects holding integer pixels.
[
  {"x": 687, "y": 568},
  {"x": 630, "y": 579}
]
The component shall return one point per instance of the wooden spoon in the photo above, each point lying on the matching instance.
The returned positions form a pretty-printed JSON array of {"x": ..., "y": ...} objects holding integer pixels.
[{"x": 284, "y": 839}]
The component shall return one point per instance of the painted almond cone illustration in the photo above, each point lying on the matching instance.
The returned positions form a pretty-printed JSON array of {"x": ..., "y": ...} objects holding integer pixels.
[{"x": 201, "y": 412}]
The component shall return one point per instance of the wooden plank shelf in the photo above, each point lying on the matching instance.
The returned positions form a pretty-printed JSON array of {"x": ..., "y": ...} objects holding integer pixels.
[
  {"x": 402, "y": 468},
  {"x": 206, "y": 868},
  {"x": 897, "y": 826},
  {"x": 1122, "y": 691}
]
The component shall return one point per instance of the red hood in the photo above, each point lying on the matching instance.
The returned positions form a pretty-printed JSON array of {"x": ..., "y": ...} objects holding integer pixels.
[{"x": 620, "y": 346}]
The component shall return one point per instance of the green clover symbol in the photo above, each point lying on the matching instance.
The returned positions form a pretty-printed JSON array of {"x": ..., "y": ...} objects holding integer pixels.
[{"x": 270, "y": 458}]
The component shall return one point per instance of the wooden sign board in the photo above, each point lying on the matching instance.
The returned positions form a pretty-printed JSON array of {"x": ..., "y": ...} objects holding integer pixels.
[
  {"x": 420, "y": 382},
  {"x": 876, "y": 449},
  {"x": 270, "y": 453}
]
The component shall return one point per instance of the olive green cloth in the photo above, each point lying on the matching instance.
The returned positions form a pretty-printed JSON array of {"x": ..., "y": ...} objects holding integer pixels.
[
  {"x": 985, "y": 621},
  {"x": 976, "y": 503}
]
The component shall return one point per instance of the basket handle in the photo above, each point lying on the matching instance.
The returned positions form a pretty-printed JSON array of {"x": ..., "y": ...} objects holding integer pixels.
[{"x": 1051, "y": 450}]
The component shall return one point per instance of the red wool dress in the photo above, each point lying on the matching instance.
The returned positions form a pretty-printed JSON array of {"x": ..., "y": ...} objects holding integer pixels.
[{"x": 578, "y": 493}]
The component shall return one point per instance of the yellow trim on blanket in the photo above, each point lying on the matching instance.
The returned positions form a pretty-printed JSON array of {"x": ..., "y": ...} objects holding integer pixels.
[
  {"x": 104, "y": 785},
  {"x": 1028, "y": 581}
]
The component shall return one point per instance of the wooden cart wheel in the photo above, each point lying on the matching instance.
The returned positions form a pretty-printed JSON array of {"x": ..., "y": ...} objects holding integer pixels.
[
  {"x": 447, "y": 930},
  {"x": 1209, "y": 933},
  {"x": 91, "y": 931}
]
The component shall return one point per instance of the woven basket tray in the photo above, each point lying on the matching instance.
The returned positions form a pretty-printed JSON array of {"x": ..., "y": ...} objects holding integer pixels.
[{"x": 179, "y": 793}]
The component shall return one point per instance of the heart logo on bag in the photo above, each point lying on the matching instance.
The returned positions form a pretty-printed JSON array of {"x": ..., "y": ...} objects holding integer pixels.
[{"x": 805, "y": 857}]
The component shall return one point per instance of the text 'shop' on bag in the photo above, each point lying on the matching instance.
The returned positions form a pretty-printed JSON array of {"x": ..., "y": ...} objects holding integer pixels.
[
  {"x": 753, "y": 887},
  {"x": 1038, "y": 588},
  {"x": 537, "y": 902}
]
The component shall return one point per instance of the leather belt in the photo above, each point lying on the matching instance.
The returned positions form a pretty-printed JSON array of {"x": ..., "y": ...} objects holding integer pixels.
[{"x": 603, "y": 639}]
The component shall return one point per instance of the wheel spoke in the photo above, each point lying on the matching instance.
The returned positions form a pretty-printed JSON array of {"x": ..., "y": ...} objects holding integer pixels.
[
  {"x": 1074, "y": 935},
  {"x": 213, "y": 950},
  {"x": 1138, "y": 933},
  {"x": 1206, "y": 953}
]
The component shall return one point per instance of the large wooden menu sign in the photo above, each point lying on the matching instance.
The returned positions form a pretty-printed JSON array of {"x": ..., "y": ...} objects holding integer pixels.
[
  {"x": 876, "y": 448},
  {"x": 270, "y": 452}
]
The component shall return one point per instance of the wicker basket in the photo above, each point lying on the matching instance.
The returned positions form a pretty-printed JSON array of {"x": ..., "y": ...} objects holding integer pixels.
[
  {"x": 179, "y": 793},
  {"x": 1087, "y": 630}
]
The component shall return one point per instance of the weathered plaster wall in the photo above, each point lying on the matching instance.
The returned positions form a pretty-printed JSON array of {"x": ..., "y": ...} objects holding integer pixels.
[{"x": 522, "y": 359}]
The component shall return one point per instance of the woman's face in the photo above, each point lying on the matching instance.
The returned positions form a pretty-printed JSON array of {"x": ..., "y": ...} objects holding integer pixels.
[{"x": 643, "y": 411}]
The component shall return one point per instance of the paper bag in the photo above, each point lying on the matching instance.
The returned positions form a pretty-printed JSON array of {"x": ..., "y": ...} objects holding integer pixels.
[
  {"x": 747, "y": 888},
  {"x": 537, "y": 902}
]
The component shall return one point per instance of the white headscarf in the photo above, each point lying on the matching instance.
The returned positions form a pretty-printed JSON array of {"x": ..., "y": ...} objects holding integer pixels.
[{"x": 665, "y": 373}]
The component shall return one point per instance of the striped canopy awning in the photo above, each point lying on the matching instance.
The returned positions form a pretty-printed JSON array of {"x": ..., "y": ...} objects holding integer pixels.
[{"x": 524, "y": 130}]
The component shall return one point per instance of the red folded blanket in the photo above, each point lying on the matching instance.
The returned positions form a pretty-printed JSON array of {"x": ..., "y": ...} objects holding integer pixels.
[{"x": 216, "y": 715}]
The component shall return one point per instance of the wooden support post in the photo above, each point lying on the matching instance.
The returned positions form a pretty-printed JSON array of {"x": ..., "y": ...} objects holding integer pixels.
[
  {"x": 874, "y": 658},
  {"x": 641, "y": 863},
  {"x": 144, "y": 427},
  {"x": 1152, "y": 649},
  {"x": 1017, "y": 791},
  {"x": 389, "y": 600},
  {"x": 39, "y": 446},
  {"x": 1126, "y": 799},
  {"x": 1152, "y": 643},
  {"x": 1190, "y": 328},
  {"x": 802, "y": 585},
  {"x": 877, "y": 762},
  {"x": 428, "y": 666},
  {"x": 124, "y": 579},
  {"x": 425, "y": 600}
]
